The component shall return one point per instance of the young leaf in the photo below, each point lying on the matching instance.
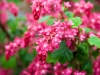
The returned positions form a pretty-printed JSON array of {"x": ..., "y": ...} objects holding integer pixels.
[
  {"x": 50, "y": 21},
  {"x": 87, "y": 30},
  {"x": 76, "y": 22},
  {"x": 94, "y": 40},
  {"x": 44, "y": 18},
  {"x": 69, "y": 14}
]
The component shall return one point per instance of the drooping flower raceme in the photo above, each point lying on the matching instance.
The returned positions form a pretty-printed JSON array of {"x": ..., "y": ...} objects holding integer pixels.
[{"x": 42, "y": 7}]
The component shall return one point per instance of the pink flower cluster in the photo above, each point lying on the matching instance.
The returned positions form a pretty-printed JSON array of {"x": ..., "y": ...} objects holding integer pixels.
[
  {"x": 3, "y": 18},
  {"x": 42, "y": 7},
  {"x": 52, "y": 36},
  {"x": 43, "y": 68},
  {"x": 60, "y": 69},
  {"x": 13, "y": 9},
  {"x": 28, "y": 1},
  {"x": 83, "y": 7},
  {"x": 12, "y": 47},
  {"x": 5, "y": 71},
  {"x": 96, "y": 66},
  {"x": 92, "y": 21},
  {"x": 18, "y": 43},
  {"x": 4, "y": 6},
  {"x": 79, "y": 73},
  {"x": 37, "y": 68}
]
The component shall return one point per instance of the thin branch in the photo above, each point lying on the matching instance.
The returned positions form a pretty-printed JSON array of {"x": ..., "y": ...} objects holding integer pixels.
[{"x": 4, "y": 30}]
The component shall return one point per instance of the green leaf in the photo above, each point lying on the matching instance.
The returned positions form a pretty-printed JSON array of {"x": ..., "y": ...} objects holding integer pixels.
[
  {"x": 34, "y": 53},
  {"x": 22, "y": 52},
  {"x": 82, "y": 52},
  {"x": 2, "y": 36},
  {"x": 69, "y": 14},
  {"x": 96, "y": 53},
  {"x": 49, "y": 59},
  {"x": 76, "y": 0},
  {"x": 50, "y": 21},
  {"x": 63, "y": 8},
  {"x": 63, "y": 54},
  {"x": 15, "y": 29},
  {"x": 81, "y": 57},
  {"x": 94, "y": 40},
  {"x": 44, "y": 18},
  {"x": 16, "y": 1},
  {"x": 12, "y": 23},
  {"x": 87, "y": 66},
  {"x": 26, "y": 57},
  {"x": 87, "y": 30},
  {"x": 70, "y": 65},
  {"x": 76, "y": 22},
  {"x": 83, "y": 48},
  {"x": 11, "y": 63},
  {"x": 62, "y": 44}
]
